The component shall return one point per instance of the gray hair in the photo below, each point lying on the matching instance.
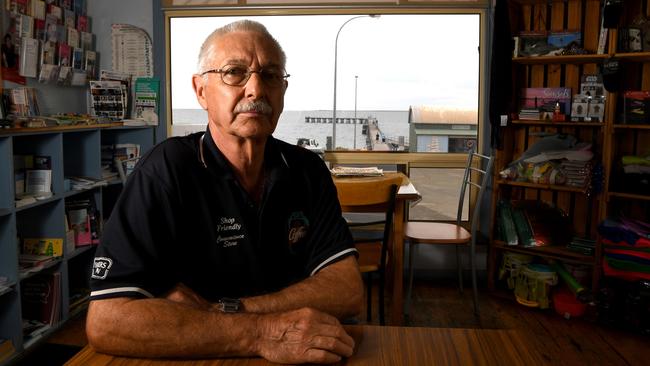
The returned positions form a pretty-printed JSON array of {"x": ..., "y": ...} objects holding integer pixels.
[{"x": 208, "y": 47}]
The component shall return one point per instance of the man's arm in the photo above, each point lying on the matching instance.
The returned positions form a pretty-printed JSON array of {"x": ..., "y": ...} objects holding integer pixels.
[
  {"x": 166, "y": 328},
  {"x": 336, "y": 289}
]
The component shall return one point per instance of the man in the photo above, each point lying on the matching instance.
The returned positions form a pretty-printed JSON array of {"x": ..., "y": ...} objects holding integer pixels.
[{"x": 228, "y": 242}]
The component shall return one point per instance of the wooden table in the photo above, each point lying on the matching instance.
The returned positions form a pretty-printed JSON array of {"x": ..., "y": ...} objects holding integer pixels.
[
  {"x": 377, "y": 346},
  {"x": 406, "y": 193}
]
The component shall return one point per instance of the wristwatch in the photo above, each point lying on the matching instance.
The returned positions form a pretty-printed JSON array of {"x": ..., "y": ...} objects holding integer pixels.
[{"x": 230, "y": 305}]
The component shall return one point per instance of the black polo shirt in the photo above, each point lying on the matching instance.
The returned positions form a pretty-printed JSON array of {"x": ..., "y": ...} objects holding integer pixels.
[{"x": 179, "y": 220}]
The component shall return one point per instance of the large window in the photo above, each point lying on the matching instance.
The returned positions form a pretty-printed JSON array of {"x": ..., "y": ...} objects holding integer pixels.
[{"x": 388, "y": 68}]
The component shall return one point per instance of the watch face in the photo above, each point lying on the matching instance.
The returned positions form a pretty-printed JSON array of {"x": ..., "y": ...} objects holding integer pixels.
[{"x": 230, "y": 305}]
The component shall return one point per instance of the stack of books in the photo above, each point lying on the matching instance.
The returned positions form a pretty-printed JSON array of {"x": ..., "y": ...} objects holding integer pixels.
[{"x": 529, "y": 114}]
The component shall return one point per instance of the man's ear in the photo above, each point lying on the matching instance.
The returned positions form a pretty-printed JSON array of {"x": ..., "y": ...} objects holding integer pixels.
[{"x": 199, "y": 90}]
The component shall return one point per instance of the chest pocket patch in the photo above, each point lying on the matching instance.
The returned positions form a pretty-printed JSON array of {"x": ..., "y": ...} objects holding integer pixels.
[{"x": 298, "y": 227}]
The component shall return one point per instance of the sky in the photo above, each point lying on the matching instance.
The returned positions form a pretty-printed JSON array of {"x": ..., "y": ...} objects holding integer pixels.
[{"x": 400, "y": 60}]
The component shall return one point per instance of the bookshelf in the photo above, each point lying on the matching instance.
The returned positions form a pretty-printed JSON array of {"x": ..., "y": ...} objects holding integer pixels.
[
  {"x": 73, "y": 151},
  {"x": 611, "y": 139},
  {"x": 580, "y": 205}
]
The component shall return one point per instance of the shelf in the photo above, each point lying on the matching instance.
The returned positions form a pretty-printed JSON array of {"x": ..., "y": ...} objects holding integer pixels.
[
  {"x": 554, "y": 124},
  {"x": 550, "y": 187},
  {"x": 634, "y": 56},
  {"x": 55, "y": 197},
  {"x": 5, "y": 211},
  {"x": 553, "y": 252},
  {"x": 40, "y": 269},
  {"x": 581, "y": 59},
  {"x": 631, "y": 127},
  {"x": 568, "y": 59},
  {"x": 31, "y": 131},
  {"x": 7, "y": 288},
  {"x": 630, "y": 196},
  {"x": 80, "y": 250}
]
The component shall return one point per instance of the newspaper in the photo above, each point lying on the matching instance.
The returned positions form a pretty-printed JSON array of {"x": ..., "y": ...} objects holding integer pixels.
[{"x": 346, "y": 171}]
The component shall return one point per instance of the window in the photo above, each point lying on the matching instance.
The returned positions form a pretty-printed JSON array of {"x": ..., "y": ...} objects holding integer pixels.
[
  {"x": 410, "y": 80},
  {"x": 392, "y": 73}
]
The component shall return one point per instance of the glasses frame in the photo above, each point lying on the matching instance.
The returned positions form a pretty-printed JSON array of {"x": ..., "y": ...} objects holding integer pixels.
[{"x": 249, "y": 72}]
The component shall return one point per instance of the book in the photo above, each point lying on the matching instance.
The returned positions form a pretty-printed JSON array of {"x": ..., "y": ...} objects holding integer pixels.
[
  {"x": 82, "y": 23},
  {"x": 86, "y": 40},
  {"x": 39, "y": 29},
  {"x": 90, "y": 64},
  {"x": 69, "y": 19},
  {"x": 48, "y": 53},
  {"x": 73, "y": 37},
  {"x": 55, "y": 11},
  {"x": 48, "y": 74},
  {"x": 146, "y": 100},
  {"x": 41, "y": 298},
  {"x": 77, "y": 58},
  {"x": 51, "y": 29},
  {"x": 28, "y": 66},
  {"x": 65, "y": 54},
  {"x": 38, "y": 9},
  {"x": 25, "y": 26},
  {"x": 546, "y": 99},
  {"x": 43, "y": 246},
  {"x": 38, "y": 181}
]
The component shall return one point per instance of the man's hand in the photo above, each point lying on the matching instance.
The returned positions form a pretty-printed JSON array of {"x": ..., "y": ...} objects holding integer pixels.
[{"x": 300, "y": 336}]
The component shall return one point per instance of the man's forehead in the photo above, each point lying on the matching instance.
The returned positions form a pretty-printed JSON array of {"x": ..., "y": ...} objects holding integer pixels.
[{"x": 243, "y": 47}]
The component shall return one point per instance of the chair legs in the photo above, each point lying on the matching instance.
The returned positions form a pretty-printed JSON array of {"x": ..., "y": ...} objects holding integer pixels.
[
  {"x": 472, "y": 261},
  {"x": 369, "y": 297},
  {"x": 381, "y": 299},
  {"x": 459, "y": 268},
  {"x": 409, "y": 292}
]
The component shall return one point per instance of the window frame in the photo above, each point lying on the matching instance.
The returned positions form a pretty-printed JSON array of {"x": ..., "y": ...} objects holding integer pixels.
[{"x": 409, "y": 159}]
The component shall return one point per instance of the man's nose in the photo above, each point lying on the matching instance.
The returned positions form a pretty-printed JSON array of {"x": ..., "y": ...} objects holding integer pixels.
[{"x": 255, "y": 87}]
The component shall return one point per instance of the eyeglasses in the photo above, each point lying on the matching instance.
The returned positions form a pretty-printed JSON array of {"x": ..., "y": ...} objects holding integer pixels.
[{"x": 235, "y": 75}]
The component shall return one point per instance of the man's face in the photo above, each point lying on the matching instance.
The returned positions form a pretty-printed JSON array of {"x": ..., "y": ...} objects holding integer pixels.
[{"x": 254, "y": 52}]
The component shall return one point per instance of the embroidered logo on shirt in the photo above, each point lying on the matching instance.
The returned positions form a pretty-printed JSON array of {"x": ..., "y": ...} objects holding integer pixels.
[
  {"x": 233, "y": 229},
  {"x": 298, "y": 225},
  {"x": 101, "y": 265}
]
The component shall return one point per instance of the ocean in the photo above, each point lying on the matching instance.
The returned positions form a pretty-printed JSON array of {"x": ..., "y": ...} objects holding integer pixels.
[{"x": 292, "y": 125}]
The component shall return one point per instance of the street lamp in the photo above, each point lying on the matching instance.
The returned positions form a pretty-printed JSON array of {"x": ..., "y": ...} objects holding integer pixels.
[
  {"x": 336, "y": 43},
  {"x": 355, "y": 111}
]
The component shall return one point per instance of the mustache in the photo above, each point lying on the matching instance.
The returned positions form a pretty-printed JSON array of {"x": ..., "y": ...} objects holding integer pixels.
[{"x": 259, "y": 106}]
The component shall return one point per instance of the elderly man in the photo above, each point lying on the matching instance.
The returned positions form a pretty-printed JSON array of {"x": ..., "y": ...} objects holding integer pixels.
[{"x": 228, "y": 242}]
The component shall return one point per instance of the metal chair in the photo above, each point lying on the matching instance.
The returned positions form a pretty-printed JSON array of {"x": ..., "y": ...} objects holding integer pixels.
[
  {"x": 439, "y": 233},
  {"x": 370, "y": 195}
]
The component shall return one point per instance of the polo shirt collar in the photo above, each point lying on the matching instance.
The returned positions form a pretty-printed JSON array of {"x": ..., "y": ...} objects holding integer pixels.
[{"x": 275, "y": 163}]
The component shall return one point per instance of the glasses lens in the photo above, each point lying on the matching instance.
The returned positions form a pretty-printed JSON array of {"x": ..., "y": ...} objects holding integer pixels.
[
  {"x": 234, "y": 75},
  {"x": 272, "y": 77}
]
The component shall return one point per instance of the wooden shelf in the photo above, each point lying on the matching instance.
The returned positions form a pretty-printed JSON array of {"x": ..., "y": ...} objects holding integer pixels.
[
  {"x": 553, "y": 252},
  {"x": 568, "y": 59},
  {"x": 634, "y": 56},
  {"x": 630, "y": 196},
  {"x": 550, "y": 187},
  {"x": 556, "y": 124},
  {"x": 581, "y": 59},
  {"x": 631, "y": 127}
]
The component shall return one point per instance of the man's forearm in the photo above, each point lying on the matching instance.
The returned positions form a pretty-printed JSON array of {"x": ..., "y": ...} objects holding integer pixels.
[
  {"x": 337, "y": 290},
  {"x": 171, "y": 329},
  {"x": 163, "y": 328}
]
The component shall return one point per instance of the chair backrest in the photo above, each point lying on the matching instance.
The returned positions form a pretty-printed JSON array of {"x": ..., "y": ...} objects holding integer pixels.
[
  {"x": 483, "y": 171},
  {"x": 367, "y": 195}
]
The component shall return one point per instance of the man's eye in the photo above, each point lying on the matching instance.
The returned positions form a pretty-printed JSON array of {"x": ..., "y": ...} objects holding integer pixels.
[
  {"x": 272, "y": 74},
  {"x": 235, "y": 71}
]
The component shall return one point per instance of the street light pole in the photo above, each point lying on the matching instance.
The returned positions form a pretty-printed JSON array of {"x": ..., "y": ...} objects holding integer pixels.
[
  {"x": 336, "y": 44},
  {"x": 356, "y": 77}
]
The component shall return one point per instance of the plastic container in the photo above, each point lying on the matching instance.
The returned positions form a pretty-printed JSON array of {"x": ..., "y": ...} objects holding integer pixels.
[{"x": 566, "y": 304}]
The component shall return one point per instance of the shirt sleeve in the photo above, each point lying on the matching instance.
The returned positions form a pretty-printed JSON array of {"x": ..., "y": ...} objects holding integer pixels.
[
  {"x": 330, "y": 237},
  {"x": 132, "y": 258}
]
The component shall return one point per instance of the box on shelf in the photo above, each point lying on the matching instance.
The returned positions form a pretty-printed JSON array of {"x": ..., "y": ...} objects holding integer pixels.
[{"x": 43, "y": 246}]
